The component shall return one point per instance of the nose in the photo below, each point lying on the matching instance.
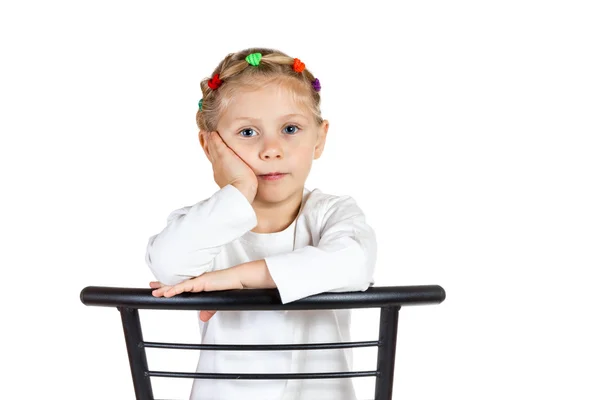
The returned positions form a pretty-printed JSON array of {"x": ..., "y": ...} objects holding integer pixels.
[{"x": 271, "y": 149}]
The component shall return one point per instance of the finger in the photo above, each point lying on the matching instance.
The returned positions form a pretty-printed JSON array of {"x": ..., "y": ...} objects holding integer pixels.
[
  {"x": 156, "y": 284},
  {"x": 215, "y": 146},
  {"x": 206, "y": 315},
  {"x": 209, "y": 146},
  {"x": 183, "y": 287},
  {"x": 219, "y": 143},
  {"x": 186, "y": 286},
  {"x": 161, "y": 291},
  {"x": 173, "y": 290}
]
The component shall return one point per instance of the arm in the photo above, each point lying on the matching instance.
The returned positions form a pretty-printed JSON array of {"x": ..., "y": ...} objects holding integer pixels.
[
  {"x": 194, "y": 235},
  {"x": 343, "y": 260},
  {"x": 249, "y": 275}
]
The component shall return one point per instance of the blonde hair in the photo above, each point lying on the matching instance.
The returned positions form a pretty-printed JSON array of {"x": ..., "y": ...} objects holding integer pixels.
[{"x": 236, "y": 74}]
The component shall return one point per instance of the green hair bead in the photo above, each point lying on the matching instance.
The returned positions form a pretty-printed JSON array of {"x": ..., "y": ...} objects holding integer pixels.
[
  {"x": 254, "y": 59},
  {"x": 200, "y": 104}
]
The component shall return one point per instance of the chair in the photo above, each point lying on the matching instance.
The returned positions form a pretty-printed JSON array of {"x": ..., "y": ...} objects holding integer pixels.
[{"x": 388, "y": 298}]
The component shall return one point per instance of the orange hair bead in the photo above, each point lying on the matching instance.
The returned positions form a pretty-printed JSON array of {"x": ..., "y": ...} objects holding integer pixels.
[{"x": 298, "y": 65}]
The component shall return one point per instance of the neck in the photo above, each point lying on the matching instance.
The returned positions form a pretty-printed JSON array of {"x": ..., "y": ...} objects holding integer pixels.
[{"x": 275, "y": 217}]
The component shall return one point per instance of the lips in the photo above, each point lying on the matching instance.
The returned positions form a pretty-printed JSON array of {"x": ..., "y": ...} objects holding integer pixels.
[
  {"x": 273, "y": 176},
  {"x": 273, "y": 173}
]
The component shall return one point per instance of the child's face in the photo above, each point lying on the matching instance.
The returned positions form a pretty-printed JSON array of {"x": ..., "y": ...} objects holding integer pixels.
[{"x": 273, "y": 133}]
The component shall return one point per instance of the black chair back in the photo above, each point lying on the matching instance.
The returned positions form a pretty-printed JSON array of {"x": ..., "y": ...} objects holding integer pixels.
[{"x": 388, "y": 299}]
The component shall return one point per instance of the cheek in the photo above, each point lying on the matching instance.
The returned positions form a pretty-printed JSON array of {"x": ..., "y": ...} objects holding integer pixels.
[
  {"x": 243, "y": 152},
  {"x": 302, "y": 148},
  {"x": 302, "y": 155}
]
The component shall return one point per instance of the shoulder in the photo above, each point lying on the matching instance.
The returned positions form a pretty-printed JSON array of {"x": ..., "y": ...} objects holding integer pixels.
[
  {"x": 316, "y": 201},
  {"x": 336, "y": 214}
]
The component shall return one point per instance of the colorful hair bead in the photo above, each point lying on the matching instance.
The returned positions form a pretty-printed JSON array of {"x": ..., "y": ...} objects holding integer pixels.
[
  {"x": 200, "y": 104},
  {"x": 253, "y": 59},
  {"x": 316, "y": 85},
  {"x": 298, "y": 66},
  {"x": 214, "y": 82}
]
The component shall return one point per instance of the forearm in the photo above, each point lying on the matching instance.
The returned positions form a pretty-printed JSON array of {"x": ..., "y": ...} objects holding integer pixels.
[
  {"x": 311, "y": 270},
  {"x": 250, "y": 275},
  {"x": 344, "y": 259},
  {"x": 255, "y": 275},
  {"x": 194, "y": 235}
]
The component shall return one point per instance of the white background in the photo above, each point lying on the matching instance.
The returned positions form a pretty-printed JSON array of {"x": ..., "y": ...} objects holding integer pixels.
[{"x": 467, "y": 131}]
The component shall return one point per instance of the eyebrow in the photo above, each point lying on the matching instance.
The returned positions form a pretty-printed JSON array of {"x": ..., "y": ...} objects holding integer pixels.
[{"x": 255, "y": 119}]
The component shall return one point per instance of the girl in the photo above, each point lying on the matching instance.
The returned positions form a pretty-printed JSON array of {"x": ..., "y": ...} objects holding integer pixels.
[{"x": 261, "y": 127}]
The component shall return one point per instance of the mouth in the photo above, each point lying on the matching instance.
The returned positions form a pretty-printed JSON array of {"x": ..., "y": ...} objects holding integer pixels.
[{"x": 273, "y": 176}]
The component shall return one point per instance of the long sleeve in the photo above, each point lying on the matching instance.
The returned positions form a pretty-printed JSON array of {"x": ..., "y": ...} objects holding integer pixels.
[
  {"x": 194, "y": 235},
  {"x": 343, "y": 260}
]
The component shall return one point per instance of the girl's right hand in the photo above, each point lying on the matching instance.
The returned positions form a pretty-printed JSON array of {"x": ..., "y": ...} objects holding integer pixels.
[{"x": 229, "y": 168}]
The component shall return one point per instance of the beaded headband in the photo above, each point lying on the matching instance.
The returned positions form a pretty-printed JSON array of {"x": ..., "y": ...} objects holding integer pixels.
[{"x": 254, "y": 60}]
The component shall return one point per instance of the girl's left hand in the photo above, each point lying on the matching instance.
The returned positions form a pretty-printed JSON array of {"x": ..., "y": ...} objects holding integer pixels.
[{"x": 225, "y": 279}]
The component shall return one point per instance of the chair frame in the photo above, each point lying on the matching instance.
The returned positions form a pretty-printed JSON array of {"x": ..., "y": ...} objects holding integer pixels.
[{"x": 389, "y": 299}]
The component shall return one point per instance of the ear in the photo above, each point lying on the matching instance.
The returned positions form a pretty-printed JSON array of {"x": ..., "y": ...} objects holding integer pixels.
[
  {"x": 321, "y": 138},
  {"x": 202, "y": 138}
]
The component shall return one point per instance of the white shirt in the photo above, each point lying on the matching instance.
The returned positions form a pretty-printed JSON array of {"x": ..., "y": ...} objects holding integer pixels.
[{"x": 328, "y": 248}]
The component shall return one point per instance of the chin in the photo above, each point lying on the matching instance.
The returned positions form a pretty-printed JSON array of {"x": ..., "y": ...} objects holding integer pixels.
[{"x": 274, "y": 193}]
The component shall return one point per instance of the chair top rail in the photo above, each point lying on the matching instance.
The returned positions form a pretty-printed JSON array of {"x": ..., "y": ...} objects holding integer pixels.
[{"x": 262, "y": 299}]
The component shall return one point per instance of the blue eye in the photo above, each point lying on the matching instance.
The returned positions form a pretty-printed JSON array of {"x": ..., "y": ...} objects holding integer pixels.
[
  {"x": 290, "y": 129},
  {"x": 246, "y": 130},
  {"x": 291, "y": 126}
]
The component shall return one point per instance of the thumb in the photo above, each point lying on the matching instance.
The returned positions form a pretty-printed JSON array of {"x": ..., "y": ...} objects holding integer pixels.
[{"x": 206, "y": 315}]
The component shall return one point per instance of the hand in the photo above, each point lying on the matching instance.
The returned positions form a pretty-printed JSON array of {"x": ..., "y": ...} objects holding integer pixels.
[
  {"x": 225, "y": 279},
  {"x": 204, "y": 314},
  {"x": 250, "y": 275},
  {"x": 229, "y": 168}
]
